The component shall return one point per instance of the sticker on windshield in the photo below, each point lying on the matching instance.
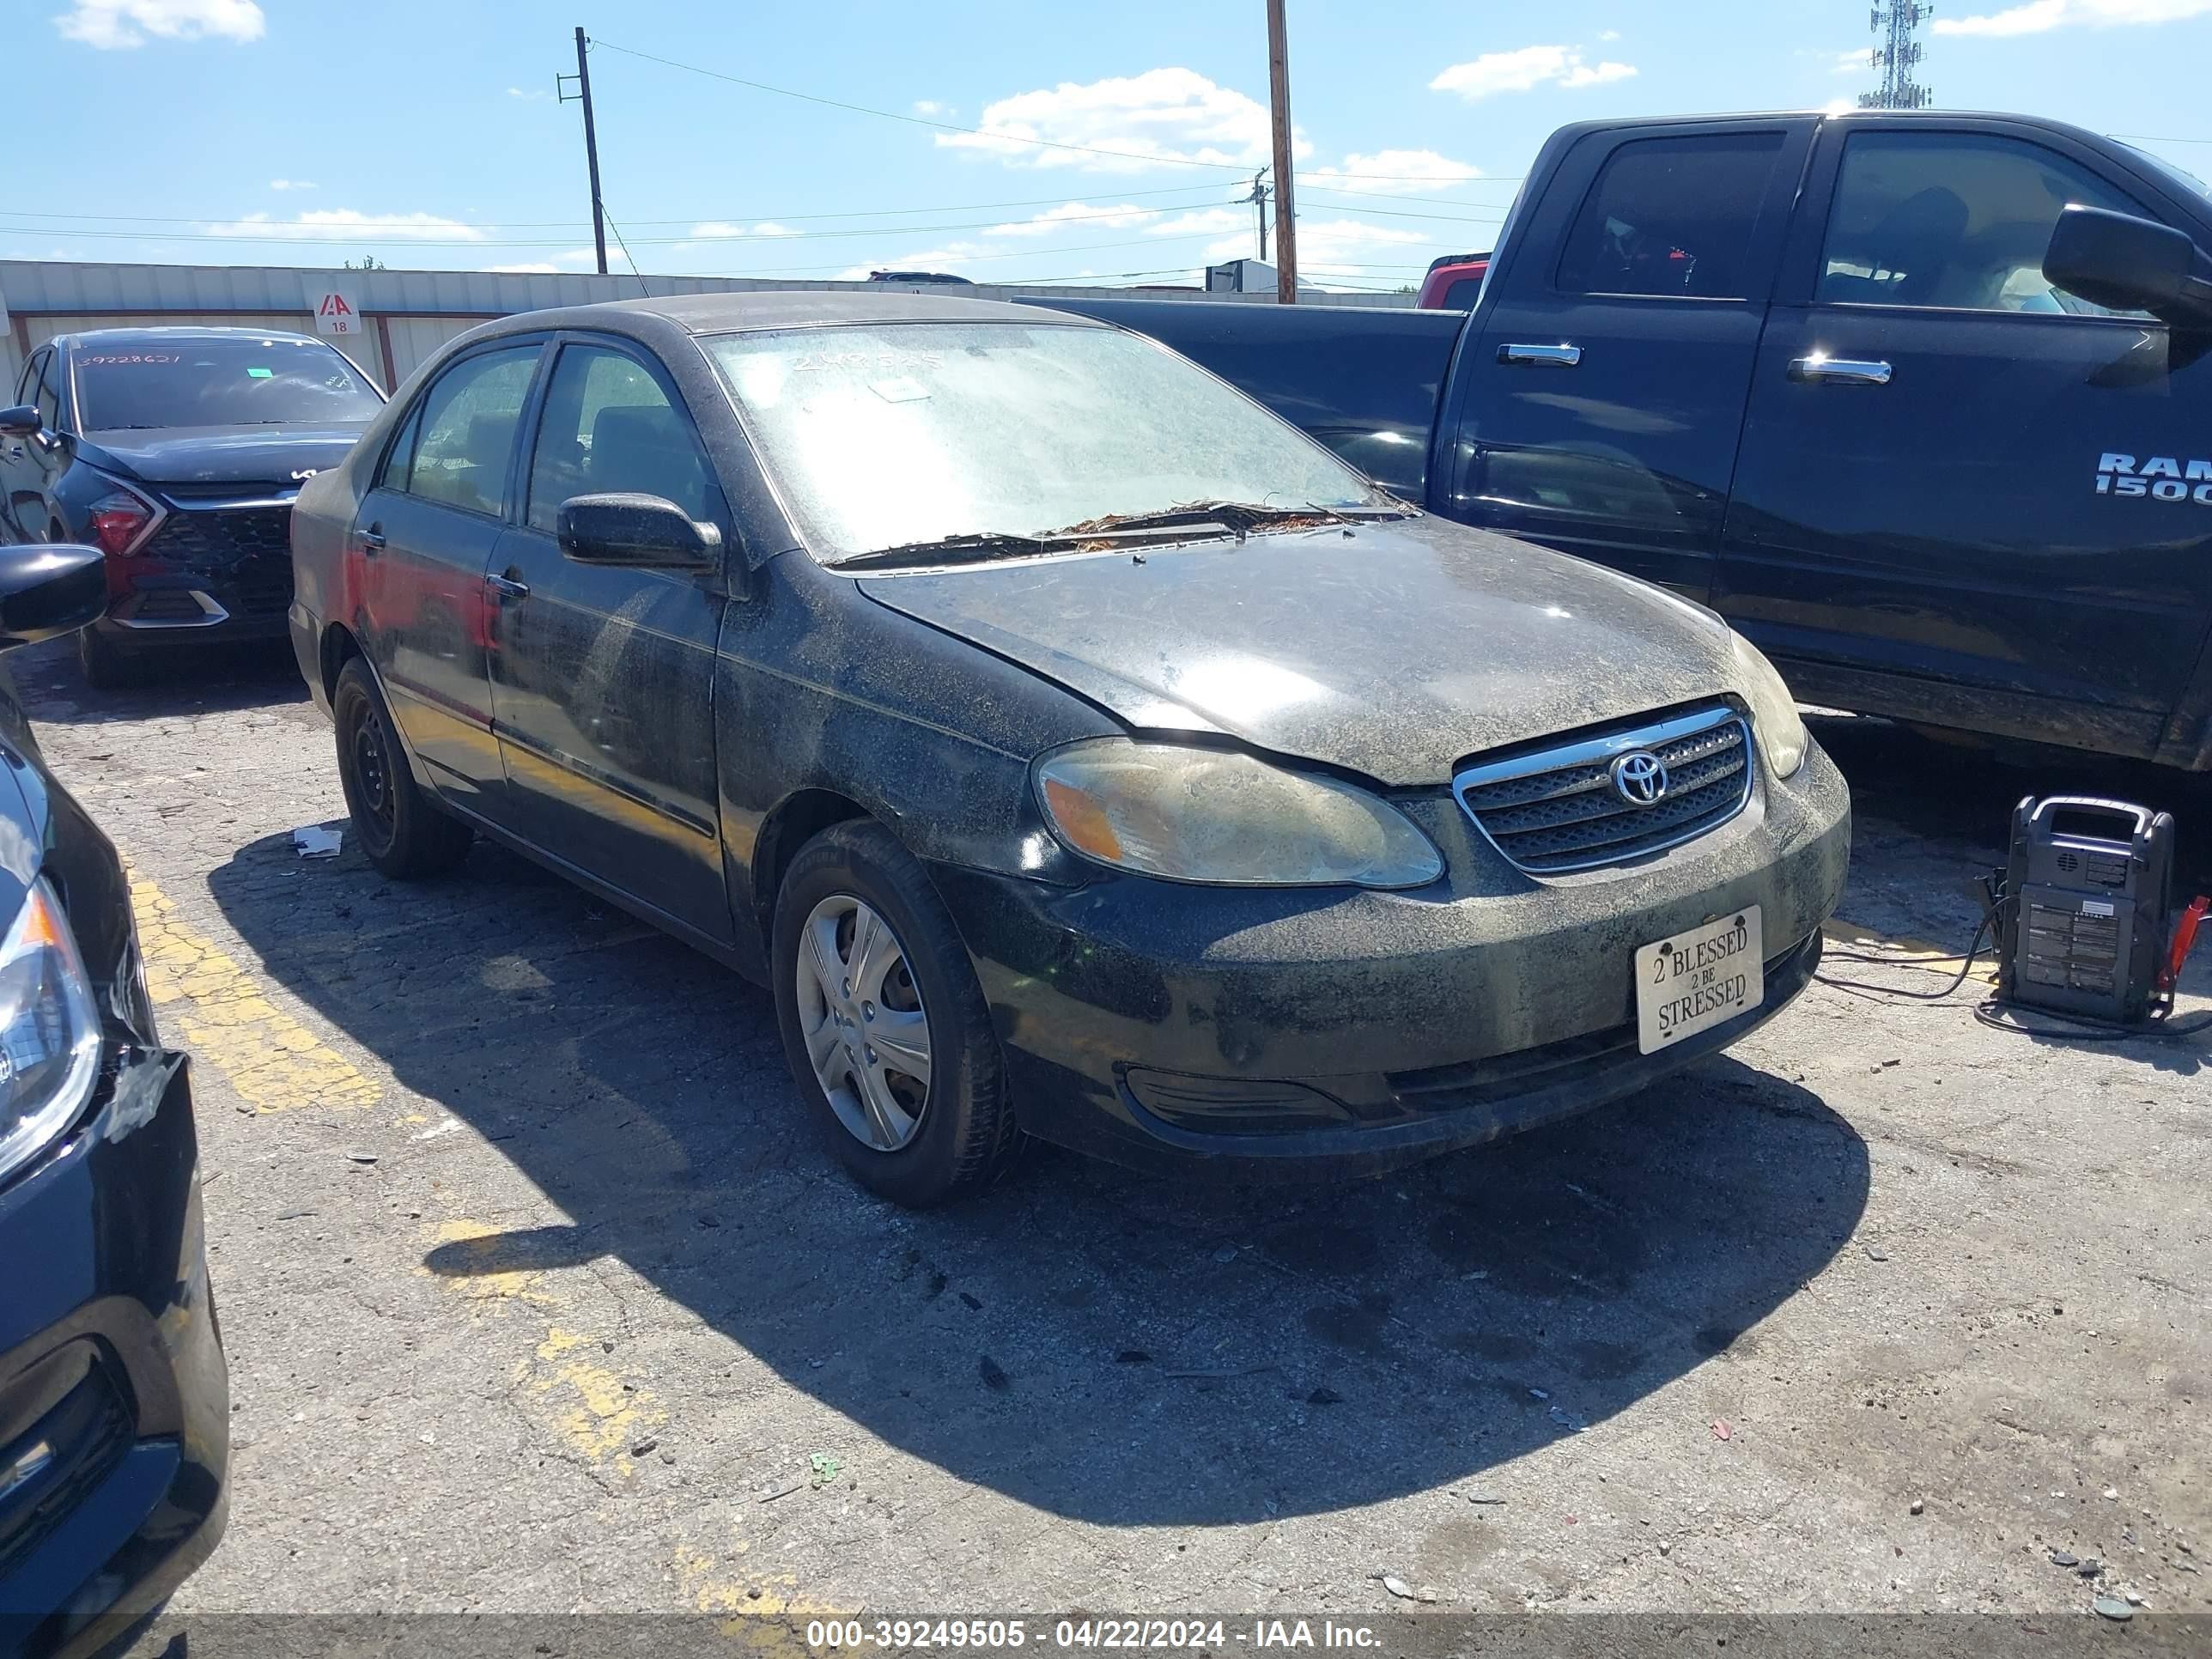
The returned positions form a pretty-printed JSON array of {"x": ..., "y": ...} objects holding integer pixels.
[
  {"x": 260, "y": 373},
  {"x": 905, "y": 389}
]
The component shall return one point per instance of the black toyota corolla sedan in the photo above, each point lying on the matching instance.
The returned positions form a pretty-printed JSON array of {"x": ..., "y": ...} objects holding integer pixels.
[
  {"x": 1074, "y": 747},
  {"x": 177, "y": 453},
  {"x": 114, "y": 1409}
]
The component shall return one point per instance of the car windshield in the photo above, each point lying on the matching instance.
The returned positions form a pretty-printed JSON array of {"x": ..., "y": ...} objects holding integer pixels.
[
  {"x": 899, "y": 435},
  {"x": 241, "y": 382}
]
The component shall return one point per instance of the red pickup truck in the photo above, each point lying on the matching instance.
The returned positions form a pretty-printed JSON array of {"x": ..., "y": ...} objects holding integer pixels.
[{"x": 1453, "y": 282}]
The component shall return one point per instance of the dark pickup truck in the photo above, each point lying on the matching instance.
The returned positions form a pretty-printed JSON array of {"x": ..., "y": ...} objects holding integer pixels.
[{"x": 1834, "y": 378}]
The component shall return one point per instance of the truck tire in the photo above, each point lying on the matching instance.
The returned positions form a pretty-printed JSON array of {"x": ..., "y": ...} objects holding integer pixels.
[
  {"x": 865, "y": 954},
  {"x": 399, "y": 828}
]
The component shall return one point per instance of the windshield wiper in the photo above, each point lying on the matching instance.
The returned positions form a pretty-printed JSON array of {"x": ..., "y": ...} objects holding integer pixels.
[
  {"x": 969, "y": 548},
  {"x": 1240, "y": 518},
  {"x": 1092, "y": 536}
]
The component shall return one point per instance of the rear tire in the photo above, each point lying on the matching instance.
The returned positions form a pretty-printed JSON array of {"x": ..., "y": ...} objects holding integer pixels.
[
  {"x": 956, "y": 1135},
  {"x": 107, "y": 663},
  {"x": 399, "y": 828}
]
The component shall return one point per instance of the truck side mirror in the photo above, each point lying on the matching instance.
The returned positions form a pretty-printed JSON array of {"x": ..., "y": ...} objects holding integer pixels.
[
  {"x": 49, "y": 589},
  {"x": 2126, "y": 263}
]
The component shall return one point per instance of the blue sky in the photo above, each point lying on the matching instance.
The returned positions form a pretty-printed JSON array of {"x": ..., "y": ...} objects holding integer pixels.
[{"x": 310, "y": 131}]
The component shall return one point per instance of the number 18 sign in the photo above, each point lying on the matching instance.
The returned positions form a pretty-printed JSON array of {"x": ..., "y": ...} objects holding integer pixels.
[{"x": 336, "y": 313}]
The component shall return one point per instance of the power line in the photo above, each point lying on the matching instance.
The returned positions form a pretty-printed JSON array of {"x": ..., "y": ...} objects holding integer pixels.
[
  {"x": 580, "y": 224},
  {"x": 917, "y": 120}
]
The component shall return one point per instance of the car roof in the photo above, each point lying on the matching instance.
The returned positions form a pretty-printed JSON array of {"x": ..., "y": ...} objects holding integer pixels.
[
  {"x": 115, "y": 337},
  {"x": 730, "y": 314}
]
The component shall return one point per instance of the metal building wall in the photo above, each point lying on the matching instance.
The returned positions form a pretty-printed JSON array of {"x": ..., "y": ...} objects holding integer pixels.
[{"x": 406, "y": 314}]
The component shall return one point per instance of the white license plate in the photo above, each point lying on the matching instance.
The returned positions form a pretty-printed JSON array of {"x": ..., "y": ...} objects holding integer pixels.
[{"x": 1696, "y": 981}]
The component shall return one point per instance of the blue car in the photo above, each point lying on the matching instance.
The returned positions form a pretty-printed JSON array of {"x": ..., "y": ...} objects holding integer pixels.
[{"x": 114, "y": 1402}]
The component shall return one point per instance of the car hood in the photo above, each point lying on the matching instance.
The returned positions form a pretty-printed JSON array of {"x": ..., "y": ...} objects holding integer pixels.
[
  {"x": 1395, "y": 651},
  {"x": 222, "y": 454}
]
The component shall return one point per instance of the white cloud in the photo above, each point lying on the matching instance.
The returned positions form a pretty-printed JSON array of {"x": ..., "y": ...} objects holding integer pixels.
[
  {"x": 327, "y": 224},
  {"x": 1205, "y": 221},
  {"x": 1857, "y": 61},
  {"x": 930, "y": 106},
  {"x": 1525, "y": 69},
  {"x": 721, "y": 230},
  {"x": 1083, "y": 214},
  {"x": 1609, "y": 36},
  {"x": 294, "y": 184},
  {"x": 537, "y": 96},
  {"x": 109, "y": 25},
  {"x": 1167, "y": 115},
  {"x": 1391, "y": 172},
  {"x": 2039, "y": 16}
]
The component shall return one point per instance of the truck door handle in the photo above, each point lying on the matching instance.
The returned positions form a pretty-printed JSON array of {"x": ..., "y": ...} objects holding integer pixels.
[
  {"x": 371, "y": 539},
  {"x": 507, "y": 587},
  {"x": 1555, "y": 356},
  {"x": 1843, "y": 371}
]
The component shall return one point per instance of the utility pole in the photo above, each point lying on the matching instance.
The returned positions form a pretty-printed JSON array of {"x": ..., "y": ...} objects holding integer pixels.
[
  {"x": 1278, "y": 97},
  {"x": 1258, "y": 201},
  {"x": 583, "y": 77}
]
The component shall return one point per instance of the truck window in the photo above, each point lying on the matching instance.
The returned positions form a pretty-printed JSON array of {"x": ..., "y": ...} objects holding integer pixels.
[
  {"x": 1956, "y": 221},
  {"x": 1672, "y": 216}
]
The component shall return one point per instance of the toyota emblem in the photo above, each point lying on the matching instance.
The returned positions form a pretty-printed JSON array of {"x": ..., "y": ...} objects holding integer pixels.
[{"x": 1639, "y": 777}]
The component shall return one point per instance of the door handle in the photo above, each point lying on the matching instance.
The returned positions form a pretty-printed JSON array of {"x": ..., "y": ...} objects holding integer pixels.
[
  {"x": 1553, "y": 356},
  {"x": 371, "y": 539},
  {"x": 1842, "y": 371},
  {"x": 507, "y": 587},
  {"x": 15, "y": 452}
]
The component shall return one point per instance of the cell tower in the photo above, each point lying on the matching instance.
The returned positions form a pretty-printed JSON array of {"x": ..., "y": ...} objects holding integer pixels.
[{"x": 1896, "y": 26}]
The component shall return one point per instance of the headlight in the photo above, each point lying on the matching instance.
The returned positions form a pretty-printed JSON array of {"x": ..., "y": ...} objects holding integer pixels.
[
  {"x": 1774, "y": 710},
  {"x": 49, "y": 1029},
  {"x": 1215, "y": 816}
]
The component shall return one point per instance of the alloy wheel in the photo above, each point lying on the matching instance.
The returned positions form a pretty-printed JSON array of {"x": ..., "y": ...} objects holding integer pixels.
[{"x": 867, "y": 1035}]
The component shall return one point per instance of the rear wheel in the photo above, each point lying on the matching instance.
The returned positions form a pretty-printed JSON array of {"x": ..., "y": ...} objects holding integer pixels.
[
  {"x": 107, "y": 663},
  {"x": 883, "y": 1025},
  {"x": 401, "y": 829}
]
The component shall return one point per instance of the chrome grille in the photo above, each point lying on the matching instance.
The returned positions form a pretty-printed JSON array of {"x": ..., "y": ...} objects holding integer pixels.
[{"x": 1555, "y": 809}]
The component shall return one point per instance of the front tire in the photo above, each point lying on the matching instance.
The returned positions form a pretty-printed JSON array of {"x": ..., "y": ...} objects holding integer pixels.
[
  {"x": 401, "y": 829},
  {"x": 885, "y": 1029},
  {"x": 107, "y": 663}
]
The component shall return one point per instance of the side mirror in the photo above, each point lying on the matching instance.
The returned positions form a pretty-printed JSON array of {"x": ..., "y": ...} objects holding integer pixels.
[
  {"x": 49, "y": 589},
  {"x": 2126, "y": 263},
  {"x": 23, "y": 421},
  {"x": 645, "y": 531}
]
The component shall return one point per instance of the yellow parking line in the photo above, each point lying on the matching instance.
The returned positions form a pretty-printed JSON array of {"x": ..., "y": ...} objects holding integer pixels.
[
  {"x": 227, "y": 1020},
  {"x": 1903, "y": 946},
  {"x": 272, "y": 1060}
]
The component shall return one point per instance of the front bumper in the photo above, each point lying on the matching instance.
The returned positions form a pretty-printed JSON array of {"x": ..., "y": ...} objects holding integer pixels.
[
  {"x": 114, "y": 1403},
  {"x": 1143, "y": 1021}
]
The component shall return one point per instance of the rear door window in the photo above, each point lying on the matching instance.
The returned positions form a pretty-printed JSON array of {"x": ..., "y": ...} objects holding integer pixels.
[
  {"x": 1954, "y": 220},
  {"x": 468, "y": 422},
  {"x": 49, "y": 394},
  {"x": 1673, "y": 217}
]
